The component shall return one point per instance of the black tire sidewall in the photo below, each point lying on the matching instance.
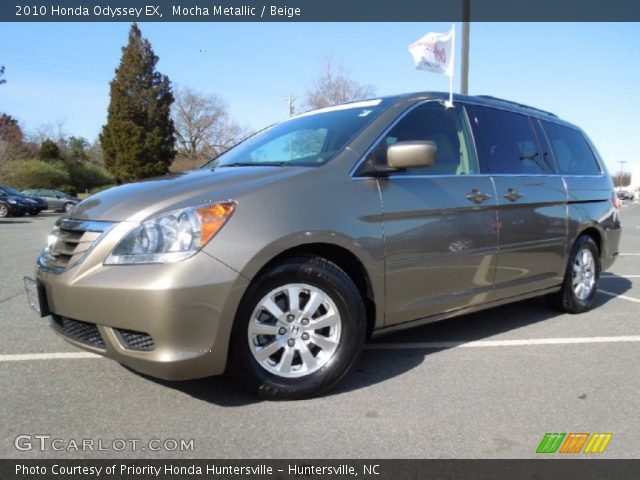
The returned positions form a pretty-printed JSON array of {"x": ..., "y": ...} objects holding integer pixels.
[{"x": 339, "y": 287}]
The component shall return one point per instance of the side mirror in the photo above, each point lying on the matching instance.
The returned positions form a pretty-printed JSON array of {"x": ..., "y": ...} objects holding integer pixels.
[
  {"x": 58, "y": 196},
  {"x": 414, "y": 154}
]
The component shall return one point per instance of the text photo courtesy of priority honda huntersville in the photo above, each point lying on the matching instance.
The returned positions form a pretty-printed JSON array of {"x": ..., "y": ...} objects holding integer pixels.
[{"x": 277, "y": 260}]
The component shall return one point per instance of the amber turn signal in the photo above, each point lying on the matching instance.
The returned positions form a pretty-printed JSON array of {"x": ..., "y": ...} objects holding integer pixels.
[{"x": 212, "y": 218}]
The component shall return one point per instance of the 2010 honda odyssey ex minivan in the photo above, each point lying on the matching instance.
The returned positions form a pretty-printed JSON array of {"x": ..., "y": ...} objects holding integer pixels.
[{"x": 279, "y": 258}]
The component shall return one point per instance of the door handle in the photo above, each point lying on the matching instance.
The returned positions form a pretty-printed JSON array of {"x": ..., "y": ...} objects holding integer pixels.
[
  {"x": 476, "y": 196},
  {"x": 512, "y": 195}
]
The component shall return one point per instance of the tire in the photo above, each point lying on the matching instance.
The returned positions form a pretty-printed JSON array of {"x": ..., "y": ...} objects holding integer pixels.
[
  {"x": 279, "y": 365},
  {"x": 4, "y": 211},
  {"x": 583, "y": 269},
  {"x": 67, "y": 206}
]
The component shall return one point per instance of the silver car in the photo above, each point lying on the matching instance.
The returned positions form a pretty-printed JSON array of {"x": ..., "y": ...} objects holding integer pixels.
[{"x": 56, "y": 200}]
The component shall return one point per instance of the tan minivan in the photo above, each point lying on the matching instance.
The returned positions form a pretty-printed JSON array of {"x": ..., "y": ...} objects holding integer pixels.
[{"x": 279, "y": 258}]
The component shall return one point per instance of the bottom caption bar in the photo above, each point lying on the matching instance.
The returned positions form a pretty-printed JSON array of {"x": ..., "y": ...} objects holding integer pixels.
[{"x": 333, "y": 469}]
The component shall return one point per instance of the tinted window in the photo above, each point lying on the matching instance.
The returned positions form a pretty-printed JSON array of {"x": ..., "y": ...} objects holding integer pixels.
[
  {"x": 445, "y": 127},
  {"x": 571, "y": 150},
  {"x": 506, "y": 142}
]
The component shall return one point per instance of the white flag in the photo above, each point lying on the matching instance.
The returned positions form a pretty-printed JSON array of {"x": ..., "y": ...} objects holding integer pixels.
[{"x": 434, "y": 52}]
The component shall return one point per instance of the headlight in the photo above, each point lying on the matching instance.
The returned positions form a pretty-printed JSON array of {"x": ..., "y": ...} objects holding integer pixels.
[
  {"x": 12, "y": 201},
  {"x": 173, "y": 236}
]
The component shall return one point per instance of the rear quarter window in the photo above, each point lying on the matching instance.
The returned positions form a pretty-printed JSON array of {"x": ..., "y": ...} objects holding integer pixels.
[{"x": 570, "y": 148}]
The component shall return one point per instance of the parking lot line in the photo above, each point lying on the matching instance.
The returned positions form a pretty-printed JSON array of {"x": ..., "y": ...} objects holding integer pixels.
[
  {"x": 374, "y": 346},
  {"x": 617, "y": 295},
  {"x": 501, "y": 343},
  {"x": 47, "y": 356},
  {"x": 612, "y": 275}
]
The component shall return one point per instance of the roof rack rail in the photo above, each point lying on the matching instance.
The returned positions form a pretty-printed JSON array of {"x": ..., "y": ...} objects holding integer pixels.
[{"x": 489, "y": 97}]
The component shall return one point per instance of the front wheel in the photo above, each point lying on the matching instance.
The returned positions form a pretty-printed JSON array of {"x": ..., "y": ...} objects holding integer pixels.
[
  {"x": 298, "y": 331},
  {"x": 4, "y": 210},
  {"x": 68, "y": 206},
  {"x": 581, "y": 278}
]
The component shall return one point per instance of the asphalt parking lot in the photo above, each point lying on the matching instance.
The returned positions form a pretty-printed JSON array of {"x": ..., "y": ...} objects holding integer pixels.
[{"x": 487, "y": 385}]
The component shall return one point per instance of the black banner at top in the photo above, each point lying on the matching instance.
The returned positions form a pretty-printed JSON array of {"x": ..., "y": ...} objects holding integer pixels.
[{"x": 319, "y": 10}]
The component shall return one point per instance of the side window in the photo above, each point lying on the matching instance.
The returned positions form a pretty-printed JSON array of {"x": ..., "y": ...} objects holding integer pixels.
[
  {"x": 445, "y": 127},
  {"x": 507, "y": 142},
  {"x": 571, "y": 150}
]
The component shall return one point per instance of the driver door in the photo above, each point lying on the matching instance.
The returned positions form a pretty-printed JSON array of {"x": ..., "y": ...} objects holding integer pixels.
[{"x": 439, "y": 221}]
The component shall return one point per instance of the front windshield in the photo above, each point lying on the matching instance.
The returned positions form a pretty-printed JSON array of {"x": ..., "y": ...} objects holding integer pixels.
[
  {"x": 309, "y": 139},
  {"x": 10, "y": 191}
]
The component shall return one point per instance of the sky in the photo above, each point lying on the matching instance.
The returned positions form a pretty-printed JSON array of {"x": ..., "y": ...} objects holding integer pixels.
[{"x": 587, "y": 73}]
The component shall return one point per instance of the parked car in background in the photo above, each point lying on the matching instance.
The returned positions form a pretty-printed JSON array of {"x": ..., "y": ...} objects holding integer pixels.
[
  {"x": 625, "y": 195},
  {"x": 55, "y": 199},
  {"x": 21, "y": 203}
]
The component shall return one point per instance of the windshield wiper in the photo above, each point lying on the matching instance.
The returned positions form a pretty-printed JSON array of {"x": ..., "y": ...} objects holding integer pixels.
[{"x": 252, "y": 164}]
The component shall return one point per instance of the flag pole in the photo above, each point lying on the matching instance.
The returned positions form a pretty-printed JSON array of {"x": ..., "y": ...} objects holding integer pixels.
[{"x": 449, "y": 104}]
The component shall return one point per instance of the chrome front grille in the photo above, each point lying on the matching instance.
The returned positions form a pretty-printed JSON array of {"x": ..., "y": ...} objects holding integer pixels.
[{"x": 70, "y": 241}]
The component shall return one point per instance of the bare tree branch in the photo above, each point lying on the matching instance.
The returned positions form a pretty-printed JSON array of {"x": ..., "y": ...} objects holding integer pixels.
[
  {"x": 334, "y": 86},
  {"x": 203, "y": 127}
]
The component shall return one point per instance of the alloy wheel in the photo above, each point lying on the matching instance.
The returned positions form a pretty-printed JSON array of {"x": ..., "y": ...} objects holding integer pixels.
[
  {"x": 294, "y": 330},
  {"x": 584, "y": 274}
]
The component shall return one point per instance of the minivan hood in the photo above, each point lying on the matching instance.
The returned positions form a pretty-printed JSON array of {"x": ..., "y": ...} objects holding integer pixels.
[{"x": 141, "y": 200}]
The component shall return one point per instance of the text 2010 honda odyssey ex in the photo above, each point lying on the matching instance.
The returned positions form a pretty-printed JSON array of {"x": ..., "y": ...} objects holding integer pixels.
[{"x": 277, "y": 260}]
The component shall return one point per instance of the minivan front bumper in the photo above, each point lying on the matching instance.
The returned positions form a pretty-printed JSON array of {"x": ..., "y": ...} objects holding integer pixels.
[{"x": 171, "y": 321}]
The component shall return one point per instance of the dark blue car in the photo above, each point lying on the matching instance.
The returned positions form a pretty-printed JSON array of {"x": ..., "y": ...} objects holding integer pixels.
[{"x": 13, "y": 202}]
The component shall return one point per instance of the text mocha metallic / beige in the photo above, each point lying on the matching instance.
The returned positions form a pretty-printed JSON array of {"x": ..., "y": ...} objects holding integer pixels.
[{"x": 277, "y": 260}]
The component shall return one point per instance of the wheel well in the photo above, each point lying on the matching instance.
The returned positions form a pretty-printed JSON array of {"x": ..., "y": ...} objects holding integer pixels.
[
  {"x": 595, "y": 235},
  {"x": 347, "y": 261}
]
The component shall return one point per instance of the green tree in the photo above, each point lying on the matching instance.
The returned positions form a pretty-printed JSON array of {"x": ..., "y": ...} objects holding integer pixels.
[
  {"x": 24, "y": 174},
  {"x": 78, "y": 146},
  {"x": 49, "y": 150},
  {"x": 138, "y": 139}
]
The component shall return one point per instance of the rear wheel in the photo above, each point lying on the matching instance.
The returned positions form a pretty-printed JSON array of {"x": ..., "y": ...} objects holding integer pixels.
[
  {"x": 581, "y": 278},
  {"x": 298, "y": 331}
]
